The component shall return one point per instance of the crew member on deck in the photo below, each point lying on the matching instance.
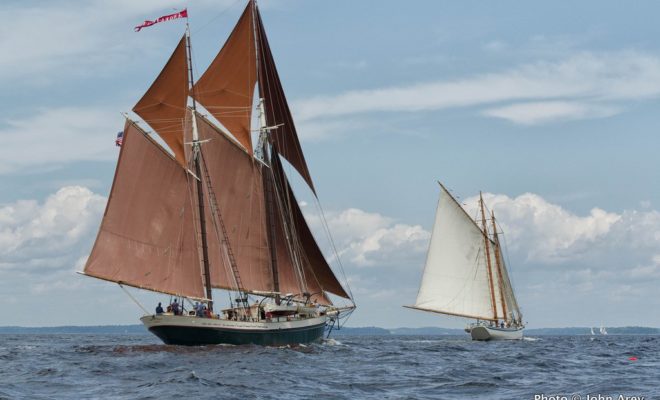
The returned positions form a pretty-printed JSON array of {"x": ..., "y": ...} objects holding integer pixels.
[
  {"x": 159, "y": 309},
  {"x": 175, "y": 307}
]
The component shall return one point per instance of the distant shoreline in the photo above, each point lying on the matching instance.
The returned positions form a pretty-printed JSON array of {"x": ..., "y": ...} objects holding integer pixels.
[{"x": 345, "y": 331}]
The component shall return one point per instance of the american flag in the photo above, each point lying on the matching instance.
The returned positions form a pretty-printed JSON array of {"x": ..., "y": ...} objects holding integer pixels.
[{"x": 120, "y": 138}]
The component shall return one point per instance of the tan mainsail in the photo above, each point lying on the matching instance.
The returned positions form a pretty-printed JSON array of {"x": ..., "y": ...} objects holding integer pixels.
[
  {"x": 147, "y": 238},
  {"x": 163, "y": 106},
  {"x": 226, "y": 88}
]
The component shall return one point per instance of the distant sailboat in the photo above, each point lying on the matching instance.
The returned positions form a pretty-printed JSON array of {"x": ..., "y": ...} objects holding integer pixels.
[
  {"x": 465, "y": 274},
  {"x": 217, "y": 213},
  {"x": 592, "y": 332},
  {"x": 603, "y": 331}
]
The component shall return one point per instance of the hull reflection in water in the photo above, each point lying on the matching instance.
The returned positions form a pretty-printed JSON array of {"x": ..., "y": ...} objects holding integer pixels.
[{"x": 191, "y": 331}]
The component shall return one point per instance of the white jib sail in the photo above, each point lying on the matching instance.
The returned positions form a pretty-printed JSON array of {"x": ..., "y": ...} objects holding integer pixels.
[{"x": 455, "y": 279}]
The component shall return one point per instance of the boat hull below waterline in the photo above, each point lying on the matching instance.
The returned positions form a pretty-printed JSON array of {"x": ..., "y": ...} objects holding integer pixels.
[
  {"x": 195, "y": 331},
  {"x": 491, "y": 333}
]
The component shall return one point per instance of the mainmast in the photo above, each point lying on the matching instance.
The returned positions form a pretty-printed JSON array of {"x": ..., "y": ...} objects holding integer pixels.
[
  {"x": 197, "y": 154},
  {"x": 487, "y": 246},
  {"x": 498, "y": 262},
  {"x": 264, "y": 147},
  {"x": 269, "y": 194}
]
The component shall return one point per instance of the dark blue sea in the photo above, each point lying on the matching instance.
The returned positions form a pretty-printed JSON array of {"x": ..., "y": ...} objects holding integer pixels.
[{"x": 357, "y": 367}]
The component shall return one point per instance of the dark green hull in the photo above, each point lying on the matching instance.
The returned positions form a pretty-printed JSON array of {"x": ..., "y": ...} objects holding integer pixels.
[{"x": 195, "y": 336}]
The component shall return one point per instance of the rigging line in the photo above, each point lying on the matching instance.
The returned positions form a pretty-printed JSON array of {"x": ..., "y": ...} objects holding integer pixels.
[
  {"x": 215, "y": 17},
  {"x": 326, "y": 228},
  {"x": 291, "y": 199},
  {"x": 508, "y": 262},
  {"x": 216, "y": 218},
  {"x": 295, "y": 244},
  {"x": 288, "y": 229},
  {"x": 134, "y": 299}
]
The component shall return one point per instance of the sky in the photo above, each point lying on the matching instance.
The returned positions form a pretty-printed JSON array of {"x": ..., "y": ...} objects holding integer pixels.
[{"x": 549, "y": 109}]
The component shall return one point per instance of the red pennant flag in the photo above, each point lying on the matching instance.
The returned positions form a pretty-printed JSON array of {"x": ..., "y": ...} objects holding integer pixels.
[{"x": 177, "y": 15}]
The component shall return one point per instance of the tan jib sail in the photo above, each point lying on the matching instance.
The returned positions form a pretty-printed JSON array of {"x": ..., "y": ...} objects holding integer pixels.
[
  {"x": 316, "y": 267},
  {"x": 163, "y": 106},
  {"x": 226, "y": 88},
  {"x": 147, "y": 237},
  {"x": 456, "y": 279}
]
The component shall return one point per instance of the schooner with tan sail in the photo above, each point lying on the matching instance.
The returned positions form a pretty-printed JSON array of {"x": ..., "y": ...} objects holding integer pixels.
[
  {"x": 214, "y": 212},
  {"x": 465, "y": 274}
]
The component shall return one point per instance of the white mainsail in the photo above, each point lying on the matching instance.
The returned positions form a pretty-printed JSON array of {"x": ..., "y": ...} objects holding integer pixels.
[{"x": 456, "y": 278}]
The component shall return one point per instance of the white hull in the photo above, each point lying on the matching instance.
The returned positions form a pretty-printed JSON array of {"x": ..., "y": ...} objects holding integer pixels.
[{"x": 490, "y": 333}]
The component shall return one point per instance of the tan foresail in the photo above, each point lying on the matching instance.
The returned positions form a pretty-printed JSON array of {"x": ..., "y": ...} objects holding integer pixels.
[
  {"x": 163, "y": 106},
  {"x": 316, "y": 268},
  {"x": 226, "y": 88},
  {"x": 147, "y": 237},
  {"x": 276, "y": 107}
]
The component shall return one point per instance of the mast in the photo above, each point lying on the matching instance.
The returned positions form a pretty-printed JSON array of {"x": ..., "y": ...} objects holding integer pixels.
[
  {"x": 270, "y": 201},
  {"x": 498, "y": 262},
  {"x": 487, "y": 246},
  {"x": 197, "y": 153},
  {"x": 263, "y": 147}
]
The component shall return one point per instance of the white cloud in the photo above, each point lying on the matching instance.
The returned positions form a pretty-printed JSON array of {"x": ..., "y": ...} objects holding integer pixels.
[
  {"x": 373, "y": 240},
  {"x": 534, "y": 113},
  {"x": 59, "y": 135},
  {"x": 63, "y": 39},
  {"x": 585, "y": 85},
  {"x": 546, "y": 232},
  {"x": 51, "y": 236}
]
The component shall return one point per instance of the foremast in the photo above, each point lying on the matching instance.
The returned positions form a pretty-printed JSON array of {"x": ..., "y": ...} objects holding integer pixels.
[
  {"x": 265, "y": 151},
  {"x": 197, "y": 154}
]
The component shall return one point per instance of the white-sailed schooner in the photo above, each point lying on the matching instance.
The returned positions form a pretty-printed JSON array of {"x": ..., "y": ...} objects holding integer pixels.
[{"x": 465, "y": 274}]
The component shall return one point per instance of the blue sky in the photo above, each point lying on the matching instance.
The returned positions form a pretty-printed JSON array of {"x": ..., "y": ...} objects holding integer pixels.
[{"x": 549, "y": 109}]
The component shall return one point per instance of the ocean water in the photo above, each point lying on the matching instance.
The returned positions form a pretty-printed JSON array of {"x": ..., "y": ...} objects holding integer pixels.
[{"x": 357, "y": 367}]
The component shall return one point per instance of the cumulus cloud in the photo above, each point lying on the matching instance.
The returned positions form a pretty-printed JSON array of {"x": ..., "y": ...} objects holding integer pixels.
[
  {"x": 49, "y": 236},
  {"x": 599, "y": 254},
  {"x": 546, "y": 232},
  {"x": 370, "y": 239},
  {"x": 584, "y": 85}
]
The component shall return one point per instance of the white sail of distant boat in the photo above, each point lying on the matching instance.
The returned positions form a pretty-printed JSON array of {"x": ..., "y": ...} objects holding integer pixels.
[
  {"x": 465, "y": 274},
  {"x": 592, "y": 332},
  {"x": 603, "y": 331}
]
